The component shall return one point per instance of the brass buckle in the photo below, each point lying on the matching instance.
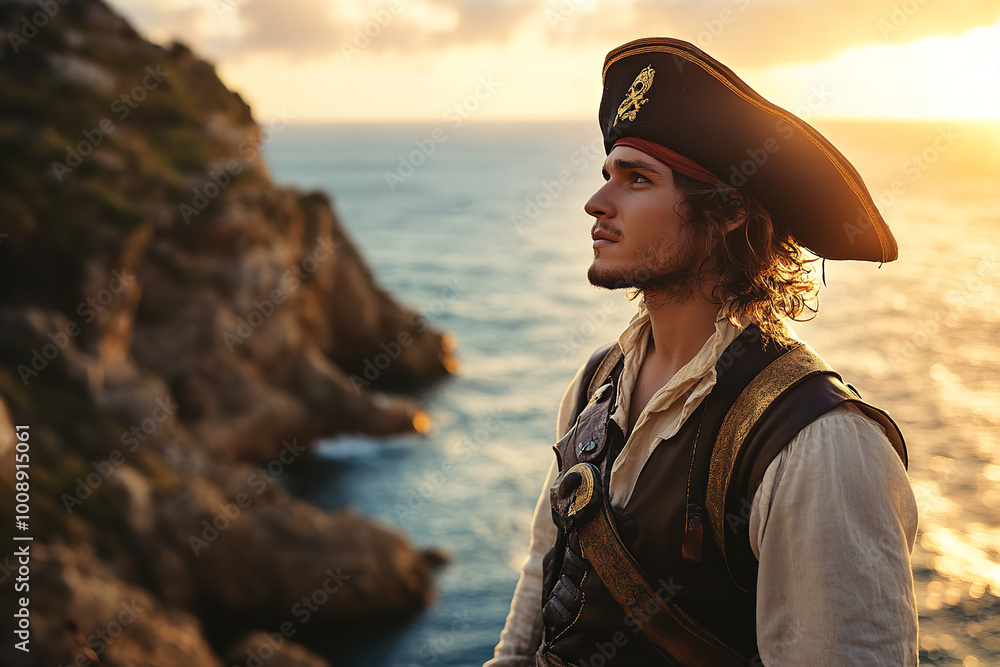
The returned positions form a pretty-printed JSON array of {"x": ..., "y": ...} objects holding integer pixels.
[{"x": 576, "y": 494}]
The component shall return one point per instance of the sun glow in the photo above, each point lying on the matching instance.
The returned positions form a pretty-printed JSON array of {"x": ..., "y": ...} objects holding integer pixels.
[{"x": 936, "y": 77}]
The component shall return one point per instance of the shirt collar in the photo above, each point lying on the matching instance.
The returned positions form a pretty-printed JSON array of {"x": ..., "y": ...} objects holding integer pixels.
[
  {"x": 637, "y": 331},
  {"x": 692, "y": 381}
]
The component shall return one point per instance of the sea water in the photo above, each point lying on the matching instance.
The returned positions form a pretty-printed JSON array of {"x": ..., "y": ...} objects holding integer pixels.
[{"x": 481, "y": 227}]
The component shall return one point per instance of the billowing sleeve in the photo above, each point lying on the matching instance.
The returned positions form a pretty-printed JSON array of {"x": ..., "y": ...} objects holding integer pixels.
[
  {"x": 832, "y": 525},
  {"x": 522, "y": 633}
]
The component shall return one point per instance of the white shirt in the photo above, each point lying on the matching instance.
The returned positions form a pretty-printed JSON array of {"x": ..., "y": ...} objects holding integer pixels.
[{"x": 832, "y": 525}]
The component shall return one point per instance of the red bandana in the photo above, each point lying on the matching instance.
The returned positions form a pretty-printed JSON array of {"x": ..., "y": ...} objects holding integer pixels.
[{"x": 675, "y": 161}]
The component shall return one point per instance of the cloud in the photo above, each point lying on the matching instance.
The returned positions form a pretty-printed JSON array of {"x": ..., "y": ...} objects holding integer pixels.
[
  {"x": 305, "y": 29},
  {"x": 741, "y": 33},
  {"x": 298, "y": 28},
  {"x": 761, "y": 33},
  {"x": 435, "y": 25},
  {"x": 484, "y": 21}
]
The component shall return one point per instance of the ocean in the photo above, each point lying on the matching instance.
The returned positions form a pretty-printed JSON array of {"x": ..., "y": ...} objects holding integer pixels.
[{"x": 481, "y": 227}]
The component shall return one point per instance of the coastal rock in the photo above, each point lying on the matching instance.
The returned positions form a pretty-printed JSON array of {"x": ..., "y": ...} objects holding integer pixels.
[
  {"x": 212, "y": 543},
  {"x": 176, "y": 331},
  {"x": 274, "y": 650},
  {"x": 84, "y": 614}
]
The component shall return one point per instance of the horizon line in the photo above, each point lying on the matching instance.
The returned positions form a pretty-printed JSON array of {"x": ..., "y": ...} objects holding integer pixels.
[{"x": 576, "y": 119}]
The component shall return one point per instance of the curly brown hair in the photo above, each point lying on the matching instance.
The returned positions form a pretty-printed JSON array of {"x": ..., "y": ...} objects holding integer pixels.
[{"x": 764, "y": 275}]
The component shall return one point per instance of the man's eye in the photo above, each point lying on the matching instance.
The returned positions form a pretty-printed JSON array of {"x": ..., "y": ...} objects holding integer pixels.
[{"x": 639, "y": 178}]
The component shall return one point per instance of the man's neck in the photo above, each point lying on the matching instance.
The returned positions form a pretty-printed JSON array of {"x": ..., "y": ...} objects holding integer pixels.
[{"x": 679, "y": 329}]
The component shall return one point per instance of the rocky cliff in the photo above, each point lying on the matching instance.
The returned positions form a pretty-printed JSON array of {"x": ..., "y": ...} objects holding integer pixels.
[{"x": 174, "y": 332}]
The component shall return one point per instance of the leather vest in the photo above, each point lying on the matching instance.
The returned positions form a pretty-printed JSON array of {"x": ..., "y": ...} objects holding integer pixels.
[{"x": 687, "y": 521}]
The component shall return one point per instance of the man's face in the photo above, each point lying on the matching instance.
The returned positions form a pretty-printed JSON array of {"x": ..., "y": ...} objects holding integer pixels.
[{"x": 639, "y": 238}]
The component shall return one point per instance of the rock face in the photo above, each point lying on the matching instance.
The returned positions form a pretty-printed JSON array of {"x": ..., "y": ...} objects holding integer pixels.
[{"x": 176, "y": 331}]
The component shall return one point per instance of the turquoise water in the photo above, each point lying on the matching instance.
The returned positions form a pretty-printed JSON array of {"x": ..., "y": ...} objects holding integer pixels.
[{"x": 487, "y": 236}]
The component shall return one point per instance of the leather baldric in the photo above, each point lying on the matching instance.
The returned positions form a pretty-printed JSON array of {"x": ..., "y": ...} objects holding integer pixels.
[{"x": 582, "y": 503}]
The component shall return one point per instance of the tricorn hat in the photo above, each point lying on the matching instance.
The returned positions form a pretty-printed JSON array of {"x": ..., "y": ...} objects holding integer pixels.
[{"x": 671, "y": 93}]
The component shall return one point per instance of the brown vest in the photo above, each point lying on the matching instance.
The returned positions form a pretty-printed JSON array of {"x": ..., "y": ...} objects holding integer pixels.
[{"x": 687, "y": 520}]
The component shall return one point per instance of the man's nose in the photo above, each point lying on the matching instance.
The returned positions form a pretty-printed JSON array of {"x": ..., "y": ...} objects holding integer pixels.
[{"x": 599, "y": 205}]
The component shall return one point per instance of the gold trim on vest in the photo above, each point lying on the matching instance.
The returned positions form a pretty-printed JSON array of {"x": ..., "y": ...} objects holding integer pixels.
[{"x": 755, "y": 398}]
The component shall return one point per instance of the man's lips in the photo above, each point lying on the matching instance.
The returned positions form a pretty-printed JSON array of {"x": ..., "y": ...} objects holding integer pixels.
[{"x": 602, "y": 238}]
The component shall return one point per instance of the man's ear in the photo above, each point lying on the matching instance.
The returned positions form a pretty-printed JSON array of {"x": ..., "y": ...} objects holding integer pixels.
[
  {"x": 737, "y": 218},
  {"x": 735, "y": 222}
]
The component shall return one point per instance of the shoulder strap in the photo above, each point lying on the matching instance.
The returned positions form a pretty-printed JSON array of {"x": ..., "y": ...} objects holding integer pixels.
[
  {"x": 593, "y": 374},
  {"x": 758, "y": 424},
  {"x": 603, "y": 370},
  {"x": 755, "y": 398}
]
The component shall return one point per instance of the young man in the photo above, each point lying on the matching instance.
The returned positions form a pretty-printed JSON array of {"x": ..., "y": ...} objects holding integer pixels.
[{"x": 719, "y": 496}]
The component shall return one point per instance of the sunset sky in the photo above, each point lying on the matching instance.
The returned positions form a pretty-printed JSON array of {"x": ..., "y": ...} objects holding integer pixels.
[{"x": 413, "y": 60}]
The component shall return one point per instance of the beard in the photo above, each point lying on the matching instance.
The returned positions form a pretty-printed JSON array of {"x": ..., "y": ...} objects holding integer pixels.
[{"x": 661, "y": 270}]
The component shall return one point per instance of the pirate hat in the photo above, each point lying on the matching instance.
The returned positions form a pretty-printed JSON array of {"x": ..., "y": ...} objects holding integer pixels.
[{"x": 671, "y": 93}]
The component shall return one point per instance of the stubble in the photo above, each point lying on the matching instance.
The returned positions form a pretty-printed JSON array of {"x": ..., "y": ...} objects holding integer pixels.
[{"x": 664, "y": 269}]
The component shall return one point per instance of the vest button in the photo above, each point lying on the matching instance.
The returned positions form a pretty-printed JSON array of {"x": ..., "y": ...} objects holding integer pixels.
[{"x": 586, "y": 446}]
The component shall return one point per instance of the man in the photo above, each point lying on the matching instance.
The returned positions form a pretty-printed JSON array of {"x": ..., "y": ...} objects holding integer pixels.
[{"x": 719, "y": 495}]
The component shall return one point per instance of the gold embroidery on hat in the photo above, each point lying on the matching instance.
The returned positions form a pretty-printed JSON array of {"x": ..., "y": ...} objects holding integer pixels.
[{"x": 635, "y": 97}]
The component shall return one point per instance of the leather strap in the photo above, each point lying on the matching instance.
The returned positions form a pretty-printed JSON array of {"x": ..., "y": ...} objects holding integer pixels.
[
  {"x": 604, "y": 369},
  {"x": 681, "y": 639},
  {"x": 778, "y": 377},
  {"x": 755, "y": 398},
  {"x": 544, "y": 657}
]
